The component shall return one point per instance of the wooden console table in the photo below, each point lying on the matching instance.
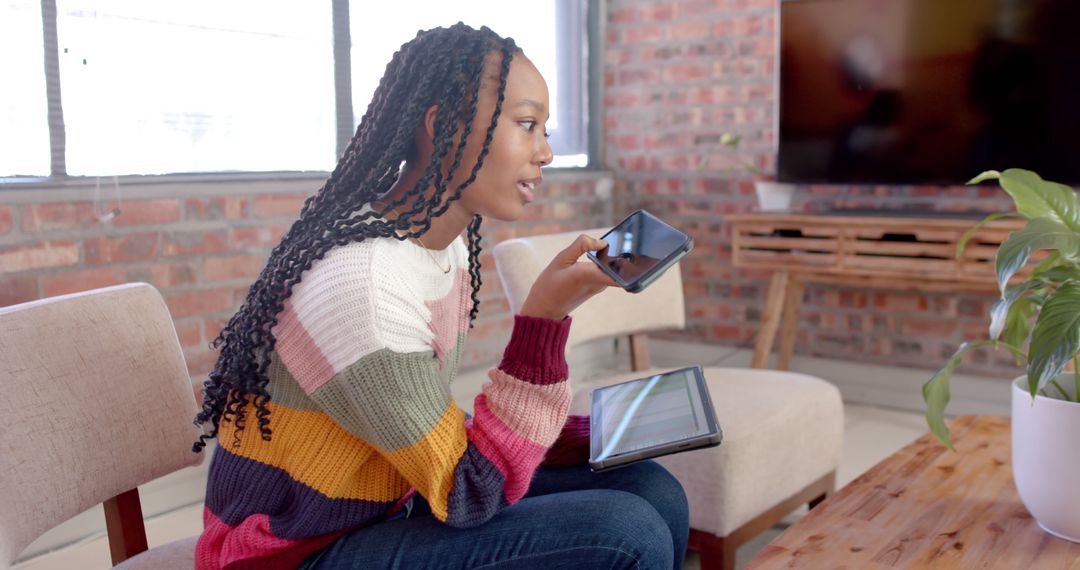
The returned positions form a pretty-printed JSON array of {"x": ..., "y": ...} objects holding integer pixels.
[
  {"x": 927, "y": 507},
  {"x": 860, "y": 251}
]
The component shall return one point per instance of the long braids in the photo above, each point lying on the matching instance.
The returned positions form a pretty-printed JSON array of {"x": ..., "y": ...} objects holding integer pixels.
[{"x": 443, "y": 66}]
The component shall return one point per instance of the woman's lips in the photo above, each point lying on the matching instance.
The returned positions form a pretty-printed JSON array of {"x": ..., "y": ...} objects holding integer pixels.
[{"x": 525, "y": 188}]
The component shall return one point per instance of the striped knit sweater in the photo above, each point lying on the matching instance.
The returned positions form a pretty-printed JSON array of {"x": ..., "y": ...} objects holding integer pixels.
[{"x": 362, "y": 415}]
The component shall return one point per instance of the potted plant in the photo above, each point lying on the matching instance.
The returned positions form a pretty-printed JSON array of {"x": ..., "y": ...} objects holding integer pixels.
[
  {"x": 772, "y": 196},
  {"x": 1037, "y": 319}
]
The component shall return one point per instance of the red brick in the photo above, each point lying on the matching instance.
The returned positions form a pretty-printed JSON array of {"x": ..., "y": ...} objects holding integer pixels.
[
  {"x": 83, "y": 280},
  {"x": 658, "y": 12},
  {"x": 754, "y": 4},
  {"x": 260, "y": 236},
  {"x": 921, "y": 328},
  {"x": 190, "y": 333},
  {"x": 5, "y": 219},
  {"x": 622, "y": 99},
  {"x": 38, "y": 255},
  {"x": 749, "y": 25},
  {"x": 642, "y": 34},
  {"x": 58, "y": 216},
  {"x": 132, "y": 247},
  {"x": 216, "y": 208},
  {"x": 278, "y": 205},
  {"x": 213, "y": 327},
  {"x": 900, "y": 302},
  {"x": 200, "y": 363},
  {"x": 15, "y": 290},
  {"x": 147, "y": 212},
  {"x": 626, "y": 14},
  {"x": 233, "y": 267},
  {"x": 726, "y": 332},
  {"x": 693, "y": 30},
  {"x": 194, "y": 243},
  {"x": 202, "y": 302},
  {"x": 165, "y": 275}
]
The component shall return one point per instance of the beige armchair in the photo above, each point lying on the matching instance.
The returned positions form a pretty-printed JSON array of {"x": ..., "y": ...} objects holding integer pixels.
[
  {"x": 782, "y": 430},
  {"x": 96, "y": 401}
]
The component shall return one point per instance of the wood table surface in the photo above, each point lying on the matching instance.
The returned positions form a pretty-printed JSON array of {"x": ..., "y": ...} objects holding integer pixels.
[{"x": 927, "y": 507}]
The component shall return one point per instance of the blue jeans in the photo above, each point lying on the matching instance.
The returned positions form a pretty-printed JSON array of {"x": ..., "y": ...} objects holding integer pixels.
[{"x": 632, "y": 517}]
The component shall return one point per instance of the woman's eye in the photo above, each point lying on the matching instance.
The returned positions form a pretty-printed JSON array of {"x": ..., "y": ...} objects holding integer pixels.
[{"x": 529, "y": 125}]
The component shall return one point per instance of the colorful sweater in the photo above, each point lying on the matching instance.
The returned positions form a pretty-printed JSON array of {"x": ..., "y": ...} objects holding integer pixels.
[{"x": 362, "y": 416}]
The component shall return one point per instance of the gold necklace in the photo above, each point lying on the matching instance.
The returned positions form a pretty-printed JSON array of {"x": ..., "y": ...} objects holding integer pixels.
[
  {"x": 422, "y": 246},
  {"x": 432, "y": 256}
]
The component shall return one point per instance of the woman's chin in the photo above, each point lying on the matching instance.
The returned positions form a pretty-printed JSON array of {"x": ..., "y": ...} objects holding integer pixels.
[{"x": 508, "y": 213}]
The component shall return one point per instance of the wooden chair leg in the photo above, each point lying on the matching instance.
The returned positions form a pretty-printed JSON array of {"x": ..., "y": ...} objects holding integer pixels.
[
  {"x": 718, "y": 552},
  {"x": 830, "y": 488},
  {"x": 124, "y": 525},
  {"x": 714, "y": 552}
]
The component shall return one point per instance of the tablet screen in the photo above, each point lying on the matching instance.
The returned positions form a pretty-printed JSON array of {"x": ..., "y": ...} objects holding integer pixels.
[{"x": 649, "y": 412}]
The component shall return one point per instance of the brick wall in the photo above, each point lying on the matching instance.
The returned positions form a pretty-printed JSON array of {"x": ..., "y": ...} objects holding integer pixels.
[
  {"x": 203, "y": 244},
  {"x": 680, "y": 73}
]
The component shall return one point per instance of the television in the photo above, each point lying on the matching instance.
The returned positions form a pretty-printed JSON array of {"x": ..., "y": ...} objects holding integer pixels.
[{"x": 928, "y": 91}]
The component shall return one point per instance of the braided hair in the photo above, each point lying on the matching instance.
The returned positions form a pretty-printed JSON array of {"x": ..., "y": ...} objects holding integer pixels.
[{"x": 443, "y": 66}]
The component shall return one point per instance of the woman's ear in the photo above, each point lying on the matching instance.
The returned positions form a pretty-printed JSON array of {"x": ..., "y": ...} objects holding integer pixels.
[
  {"x": 424, "y": 140},
  {"x": 429, "y": 122}
]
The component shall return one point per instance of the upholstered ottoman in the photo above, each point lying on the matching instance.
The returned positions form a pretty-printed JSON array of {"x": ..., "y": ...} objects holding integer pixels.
[{"x": 782, "y": 438}]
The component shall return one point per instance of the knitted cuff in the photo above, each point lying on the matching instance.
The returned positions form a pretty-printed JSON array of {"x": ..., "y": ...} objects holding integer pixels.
[
  {"x": 572, "y": 446},
  {"x": 536, "y": 352}
]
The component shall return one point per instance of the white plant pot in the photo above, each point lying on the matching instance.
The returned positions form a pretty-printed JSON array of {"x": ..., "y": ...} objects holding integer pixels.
[
  {"x": 773, "y": 196},
  {"x": 1046, "y": 458}
]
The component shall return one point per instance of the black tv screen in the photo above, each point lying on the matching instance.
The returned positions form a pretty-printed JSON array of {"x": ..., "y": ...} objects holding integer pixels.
[{"x": 928, "y": 91}]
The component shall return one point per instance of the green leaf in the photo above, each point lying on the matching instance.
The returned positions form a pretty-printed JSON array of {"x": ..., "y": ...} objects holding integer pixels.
[
  {"x": 1018, "y": 323},
  {"x": 936, "y": 395},
  {"x": 1039, "y": 233},
  {"x": 1038, "y": 198},
  {"x": 968, "y": 234},
  {"x": 1001, "y": 309},
  {"x": 1056, "y": 336},
  {"x": 986, "y": 175},
  {"x": 936, "y": 390}
]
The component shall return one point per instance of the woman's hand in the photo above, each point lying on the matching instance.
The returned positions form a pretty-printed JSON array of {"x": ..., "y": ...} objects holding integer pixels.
[{"x": 566, "y": 282}]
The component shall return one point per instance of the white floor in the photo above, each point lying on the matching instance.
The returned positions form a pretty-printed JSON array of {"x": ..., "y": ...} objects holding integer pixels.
[{"x": 871, "y": 433}]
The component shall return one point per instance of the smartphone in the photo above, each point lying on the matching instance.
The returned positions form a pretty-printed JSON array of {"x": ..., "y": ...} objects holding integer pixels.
[{"x": 639, "y": 249}]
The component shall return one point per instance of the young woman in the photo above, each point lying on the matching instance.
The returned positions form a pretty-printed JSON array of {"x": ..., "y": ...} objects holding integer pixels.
[{"x": 345, "y": 347}]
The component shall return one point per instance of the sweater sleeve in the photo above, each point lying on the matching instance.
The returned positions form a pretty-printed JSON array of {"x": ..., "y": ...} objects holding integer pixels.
[
  {"x": 379, "y": 376},
  {"x": 572, "y": 446},
  {"x": 397, "y": 403}
]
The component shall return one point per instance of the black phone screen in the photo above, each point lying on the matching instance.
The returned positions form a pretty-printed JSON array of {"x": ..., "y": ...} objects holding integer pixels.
[{"x": 637, "y": 244}]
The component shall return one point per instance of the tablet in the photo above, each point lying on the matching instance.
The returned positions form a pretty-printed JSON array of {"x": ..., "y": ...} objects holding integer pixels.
[{"x": 650, "y": 417}]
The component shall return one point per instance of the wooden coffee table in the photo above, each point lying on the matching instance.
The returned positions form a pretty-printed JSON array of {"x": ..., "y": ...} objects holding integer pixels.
[{"x": 927, "y": 507}]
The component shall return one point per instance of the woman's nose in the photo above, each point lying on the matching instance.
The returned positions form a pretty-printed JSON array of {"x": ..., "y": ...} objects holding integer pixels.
[{"x": 544, "y": 156}]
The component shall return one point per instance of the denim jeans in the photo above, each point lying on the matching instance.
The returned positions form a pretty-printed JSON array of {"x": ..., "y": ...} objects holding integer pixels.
[{"x": 631, "y": 517}]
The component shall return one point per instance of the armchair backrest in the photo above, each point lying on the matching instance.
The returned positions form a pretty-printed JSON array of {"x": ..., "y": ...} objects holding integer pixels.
[
  {"x": 613, "y": 312},
  {"x": 96, "y": 400}
]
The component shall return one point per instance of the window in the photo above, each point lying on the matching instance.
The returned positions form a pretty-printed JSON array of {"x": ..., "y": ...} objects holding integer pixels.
[
  {"x": 156, "y": 88},
  {"x": 233, "y": 86},
  {"x": 551, "y": 34},
  {"x": 24, "y": 129}
]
